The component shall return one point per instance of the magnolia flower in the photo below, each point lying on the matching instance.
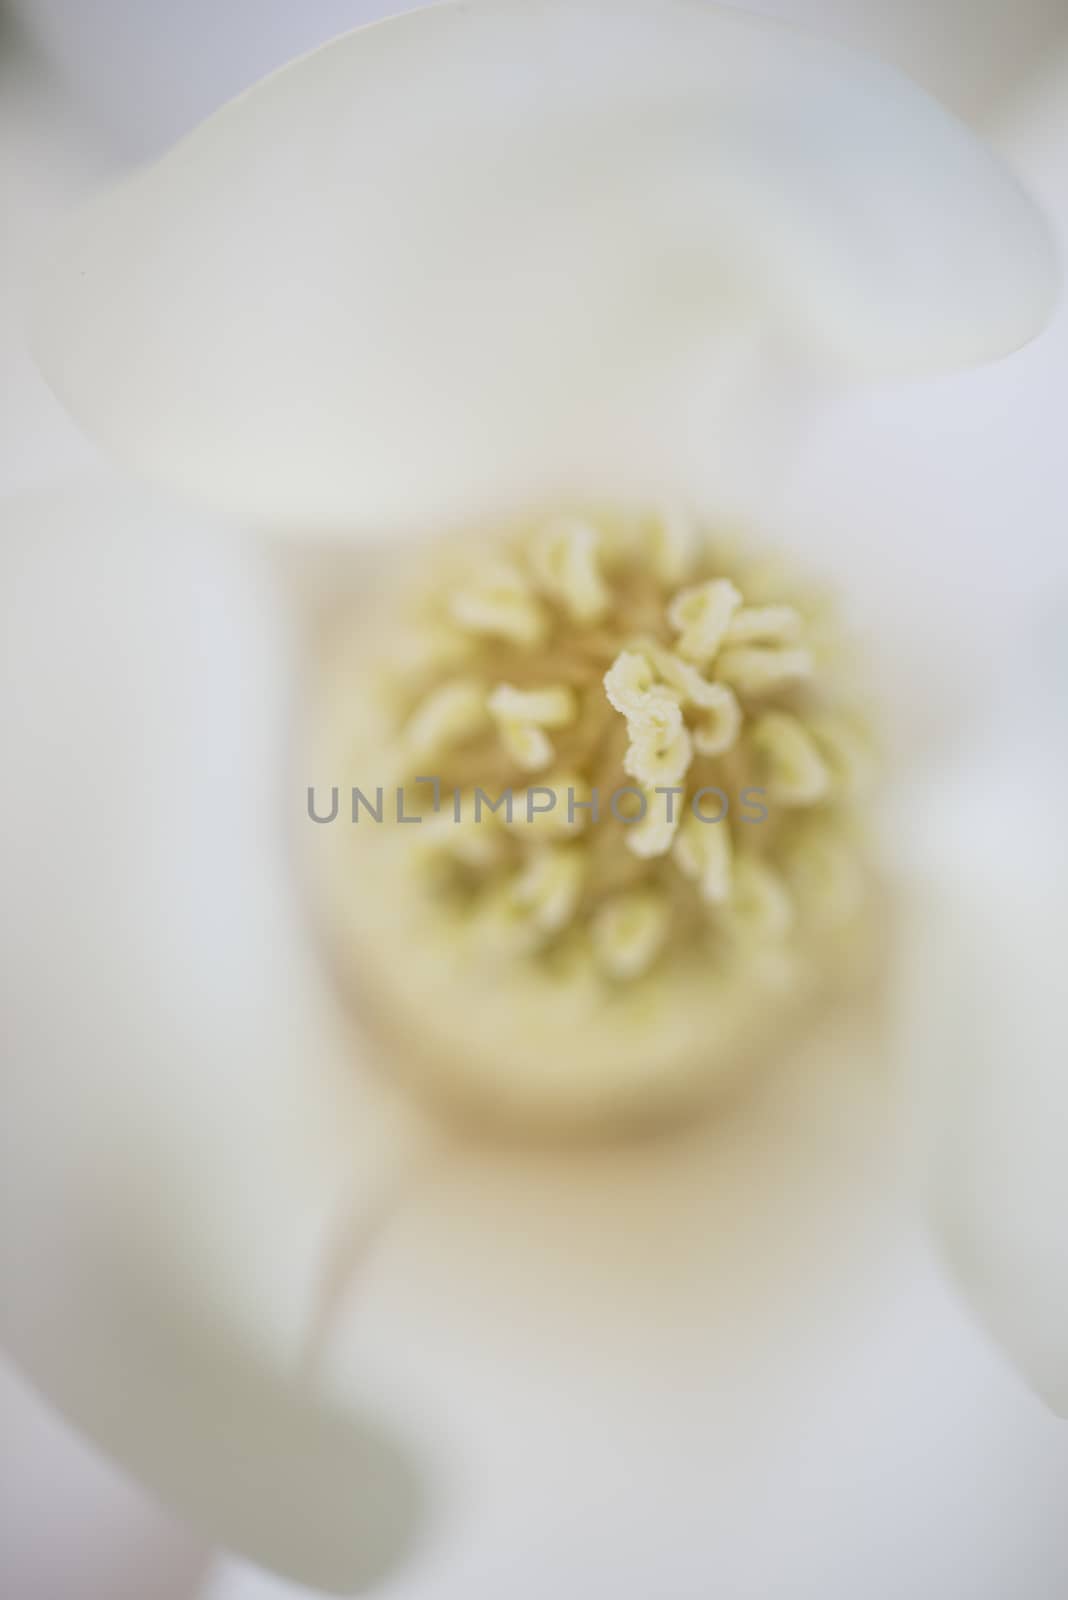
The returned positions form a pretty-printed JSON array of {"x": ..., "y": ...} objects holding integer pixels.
[{"x": 448, "y": 275}]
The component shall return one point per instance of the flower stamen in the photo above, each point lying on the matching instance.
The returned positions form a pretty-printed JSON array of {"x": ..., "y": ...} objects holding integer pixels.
[
  {"x": 523, "y": 715},
  {"x": 640, "y": 824},
  {"x": 564, "y": 556},
  {"x": 628, "y": 932},
  {"x": 701, "y": 616}
]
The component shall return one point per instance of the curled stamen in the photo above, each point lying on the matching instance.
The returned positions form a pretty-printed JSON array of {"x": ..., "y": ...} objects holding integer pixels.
[
  {"x": 703, "y": 853},
  {"x": 448, "y": 716},
  {"x": 760, "y": 904},
  {"x": 628, "y": 932},
  {"x": 629, "y": 681},
  {"x": 499, "y": 605},
  {"x": 564, "y": 557},
  {"x": 473, "y": 841},
  {"x": 549, "y": 887},
  {"x": 792, "y": 766},
  {"x": 522, "y": 716},
  {"x": 758, "y": 669},
  {"x": 653, "y": 834},
  {"x": 764, "y": 625},
  {"x": 674, "y": 540},
  {"x": 701, "y": 616},
  {"x": 660, "y": 749},
  {"x": 685, "y": 679},
  {"x": 716, "y": 729}
]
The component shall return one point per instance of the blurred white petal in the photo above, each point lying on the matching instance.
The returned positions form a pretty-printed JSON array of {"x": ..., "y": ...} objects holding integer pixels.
[
  {"x": 501, "y": 251},
  {"x": 870, "y": 1444},
  {"x": 974, "y": 54},
  {"x": 229, "y": 1581},
  {"x": 939, "y": 503},
  {"x": 49, "y": 161},
  {"x": 610, "y": 1343},
  {"x": 185, "y": 1117},
  {"x": 71, "y": 1525},
  {"x": 983, "y": 1024},
  {"x": 150, "y": 69}
]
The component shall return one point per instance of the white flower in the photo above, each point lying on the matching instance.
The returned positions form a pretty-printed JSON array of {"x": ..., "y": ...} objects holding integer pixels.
[{"x": 483, "y": 258}]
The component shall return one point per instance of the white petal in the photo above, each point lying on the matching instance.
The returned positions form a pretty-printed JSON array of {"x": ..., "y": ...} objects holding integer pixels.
[
  {"x": 610, "y": 1341},
  {"x": 72, "y": 1524},
  {"x": 149, "y": 71},
  {"x": 984, "y": 1025},
  {"x": 184, "y": 1116},
  {"x": 49, "y": 160},
  {"x": 227, "y": 1580},
  {"x": 494, "y": 250}
]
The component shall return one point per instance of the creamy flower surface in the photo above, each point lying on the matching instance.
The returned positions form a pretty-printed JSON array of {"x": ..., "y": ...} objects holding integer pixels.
[
  {"x": 464, "y": 264},
  {"x": 603, "y": 785}
]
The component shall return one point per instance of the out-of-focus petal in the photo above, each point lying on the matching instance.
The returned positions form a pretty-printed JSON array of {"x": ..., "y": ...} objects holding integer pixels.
[
  {"x": 226, "y": 1580},
  {"x": 184, "y": 1115},
  {"x": 983, "y": 1025},
  {"x": 149, "y": 70},
  {"x": 940, "y": 502},
  {"x": 73, "y": 1525},
  {"x": 910, "y": 1463},
  {"x": 502, "y": 250},
  {"x": 613, "y": 1344},
  {"x": 49, "y": 161},
  {"x": 145, "y": 68}
]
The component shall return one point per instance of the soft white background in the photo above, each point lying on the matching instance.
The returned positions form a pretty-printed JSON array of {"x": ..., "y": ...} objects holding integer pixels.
[{"x": 918, "y": 1466}]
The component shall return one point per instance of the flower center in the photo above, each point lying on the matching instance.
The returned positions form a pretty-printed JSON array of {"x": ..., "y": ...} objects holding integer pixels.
[{"x": 616, "y": 786}]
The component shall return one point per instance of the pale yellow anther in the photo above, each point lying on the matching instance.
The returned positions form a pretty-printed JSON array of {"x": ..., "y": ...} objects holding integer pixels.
[
  {"x": 660, "y": 749},
  {"x": 760, "y": 904},
  {"x": 549, "y": 887},
  {"x": 552, "y": 707},
  {"x": 701, "y": 616},
  {"x": 448, "y": 716},
  {"x": 629, "y": 682},
  {"x": 686, "y": 680},
  {"x": 847, "y": 751},
  {"x": 628, "y": 933},
  {"x": 499, "y": 604},
  {"x": 764, "y": 625},
  {"x": 564, "y": 556},
  {"x": 702, "y": 852},
  {"x": 789, "y": 763},
  {"x": 673, "y": 545},
  {"x": 652, "y": 835},
  {"x": 528, "y": 745},
  {"x": 763, "y": 669},
  {"x": 522, "y": 715},
  {"x": 716, "y": 729}
]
